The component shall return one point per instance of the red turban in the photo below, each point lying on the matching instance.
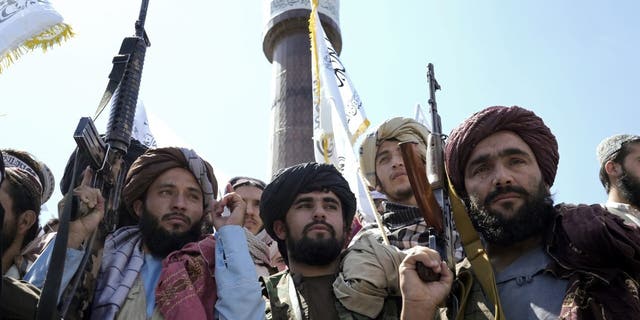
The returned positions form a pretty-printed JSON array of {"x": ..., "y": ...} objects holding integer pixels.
[{"x": 522, "y": 122}]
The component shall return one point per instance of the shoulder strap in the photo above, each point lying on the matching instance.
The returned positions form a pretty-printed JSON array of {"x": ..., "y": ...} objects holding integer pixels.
[{"x": 476, "y": 254}]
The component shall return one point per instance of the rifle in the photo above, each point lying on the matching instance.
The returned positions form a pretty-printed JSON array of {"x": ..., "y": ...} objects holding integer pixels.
[
  {"x": 106, "y": 159},
  {"x": 430, "y": 188}
]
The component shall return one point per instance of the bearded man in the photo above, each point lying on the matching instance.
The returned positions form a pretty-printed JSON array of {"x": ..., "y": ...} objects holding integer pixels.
[
  {"x": 550, "y": 262},
  {"x": 619, "y": 158},
  {"x": 166, "y": 267},
  {"x": 307, "y": 209}
]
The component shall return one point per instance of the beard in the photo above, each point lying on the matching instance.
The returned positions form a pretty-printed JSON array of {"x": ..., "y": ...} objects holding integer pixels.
[
  {"x": 533, "y": 218},
  {"x": 629, "y": 187},
  {"x": 8, "y": 235},
  {"x": 162, "y": 242},
  {"x": 315, "y": 252}
]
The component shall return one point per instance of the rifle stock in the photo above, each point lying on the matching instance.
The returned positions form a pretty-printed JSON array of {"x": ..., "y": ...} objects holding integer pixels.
[{"x": 417, "y": 173}]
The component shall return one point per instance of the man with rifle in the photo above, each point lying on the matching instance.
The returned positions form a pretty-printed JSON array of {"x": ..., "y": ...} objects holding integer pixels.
[
  {"x": 550, "y": 262},
  {"x": 409, "y": 222},
  {"x": 165, "y": 267}
]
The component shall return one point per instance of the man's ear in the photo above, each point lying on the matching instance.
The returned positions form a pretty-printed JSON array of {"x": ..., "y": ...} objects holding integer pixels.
[
  {"x": 280, "y": 229},
  {"x": 612, "y": 168},
  {"x": 138, "y": 207},
  {"x": 25, "y": 221}
]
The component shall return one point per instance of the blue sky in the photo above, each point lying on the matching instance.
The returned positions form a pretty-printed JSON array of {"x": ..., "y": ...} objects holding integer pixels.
[{"x": 207, "y": 84}]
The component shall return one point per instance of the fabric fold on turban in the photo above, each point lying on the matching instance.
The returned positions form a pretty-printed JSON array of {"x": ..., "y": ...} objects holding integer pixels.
[
  {"x": 400, "y": 129},
  {"x": 154, "y": 162},
  {"x": 279, "y": 195},
  {"x": 480, "y": 125}
]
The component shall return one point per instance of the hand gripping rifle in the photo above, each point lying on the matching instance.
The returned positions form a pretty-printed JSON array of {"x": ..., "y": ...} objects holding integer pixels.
[
  {"x": 106, "y": 159},
  {"x": 429, "y": 184}
]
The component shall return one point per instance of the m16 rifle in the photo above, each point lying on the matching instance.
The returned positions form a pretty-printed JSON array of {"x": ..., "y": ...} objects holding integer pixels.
[{"x": 106, "y": 161}]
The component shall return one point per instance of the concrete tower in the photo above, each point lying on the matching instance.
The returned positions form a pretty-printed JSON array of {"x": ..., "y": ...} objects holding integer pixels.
[{"x": 286, "y": 45}]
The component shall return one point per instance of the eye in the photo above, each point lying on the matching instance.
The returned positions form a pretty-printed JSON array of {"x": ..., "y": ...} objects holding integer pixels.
[
  {"x": 383, "y": 159},
  {"x": 195, "y": 196},
  {"x": 516, "y": 161},
  {"x": 165, "y": 192},
  {"x": 479, "y": 170}
]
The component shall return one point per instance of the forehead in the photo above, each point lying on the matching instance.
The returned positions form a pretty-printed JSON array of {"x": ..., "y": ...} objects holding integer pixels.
[
  {"x": 176, "y": 176},
  {"x": 317, "y": 195},
  {"x": 387, "y": 145},
  {"x": 634, "y": 148},
  {"x": 248, "y": 191},
  {"x": 494, "y": 144}
]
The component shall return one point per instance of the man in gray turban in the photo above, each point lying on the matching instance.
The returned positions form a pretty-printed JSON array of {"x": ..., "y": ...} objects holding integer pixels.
[
  {"x": 550, "y": 262},
  {"x": 165, "y": 267},
  {"x": 619, "y": 158}
]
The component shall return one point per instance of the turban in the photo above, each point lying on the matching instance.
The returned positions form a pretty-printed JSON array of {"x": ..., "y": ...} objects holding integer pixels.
[
  {"x": 28, "y": 188},
  {"x": 154, "y": 162},
  {"x": 480, "y": 125},
  {"x": 279, "y": 195},
  {"x": 38, "y": 169},
  {"x": 400, "y": 129}
]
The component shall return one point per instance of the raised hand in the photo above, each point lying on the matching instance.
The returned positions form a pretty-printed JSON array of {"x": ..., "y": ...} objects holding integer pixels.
[
  {"x": 234, "y": 203},
  {"x": 91, "y": 211}
]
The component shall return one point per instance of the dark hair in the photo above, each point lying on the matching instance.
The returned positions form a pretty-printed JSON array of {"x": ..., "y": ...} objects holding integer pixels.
[
  {"x": 26, "y": 194},
  {"x": 618, "y": 157}
]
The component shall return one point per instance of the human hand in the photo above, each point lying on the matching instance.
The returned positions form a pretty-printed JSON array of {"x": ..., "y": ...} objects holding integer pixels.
[
  {"x": 421, "y": 299},
  {"x": 90, "y": 211},
  {"x": 234, "y": 203}
]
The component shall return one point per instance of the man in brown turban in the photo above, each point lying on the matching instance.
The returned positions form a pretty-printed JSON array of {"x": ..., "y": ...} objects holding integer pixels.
[
  {"x": 165, "y": 267},
  {"x": 567, "y": 261}
]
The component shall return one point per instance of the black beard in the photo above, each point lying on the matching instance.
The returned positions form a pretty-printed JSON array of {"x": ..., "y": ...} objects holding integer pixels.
[
  {"x": 8, "y": 235},
  {"x": 315, "y": 252},
  {"x": 162, "y": 242},
  {"x": 629, "y": 187},
  {"x": 533, "y": 218}
]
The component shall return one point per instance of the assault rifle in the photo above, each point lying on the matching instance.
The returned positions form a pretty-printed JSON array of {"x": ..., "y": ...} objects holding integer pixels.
[
  {"x": 429, "y": 184},
  {"x": 106, "y": 159}
]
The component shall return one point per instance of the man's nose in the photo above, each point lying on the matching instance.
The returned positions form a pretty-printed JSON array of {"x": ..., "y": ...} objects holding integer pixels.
[
  {"x": 397, "y": 160},
  {"x": 502, "y": 176},
  {"x": 179, "y": 202}
]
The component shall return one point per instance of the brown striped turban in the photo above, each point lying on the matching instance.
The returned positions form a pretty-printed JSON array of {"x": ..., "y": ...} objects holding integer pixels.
[
  {"x": 399, "y": 129},
  {"x": 154, "y": 162},
  {"x": 522, "y": 122}
]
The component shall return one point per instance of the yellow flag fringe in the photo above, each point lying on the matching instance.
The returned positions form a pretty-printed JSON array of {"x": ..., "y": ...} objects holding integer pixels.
[{"x": 54, "y": 35}]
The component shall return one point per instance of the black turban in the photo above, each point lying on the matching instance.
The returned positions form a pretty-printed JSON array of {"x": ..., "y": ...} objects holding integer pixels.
[
  {"x": 522, "y": 122},
  {"x": 279, "y": 195}
]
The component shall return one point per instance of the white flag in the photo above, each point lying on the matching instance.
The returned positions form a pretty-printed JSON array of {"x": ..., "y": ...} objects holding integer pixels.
[
  {"x": 26, "y": 25},
  {"x": 338, "y": 114}
]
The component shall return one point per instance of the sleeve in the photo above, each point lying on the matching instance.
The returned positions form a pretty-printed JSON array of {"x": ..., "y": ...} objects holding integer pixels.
[
  {"x": 37, "y": 273},
  {"x": 239, "y": 291}
]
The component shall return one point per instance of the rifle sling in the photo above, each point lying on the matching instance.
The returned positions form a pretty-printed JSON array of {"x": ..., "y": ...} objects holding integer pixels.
[{"x": 476, "y": 253}]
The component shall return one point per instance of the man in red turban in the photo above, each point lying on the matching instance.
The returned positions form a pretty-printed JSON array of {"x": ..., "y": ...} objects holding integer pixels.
[{"x": 550, "y": 262}]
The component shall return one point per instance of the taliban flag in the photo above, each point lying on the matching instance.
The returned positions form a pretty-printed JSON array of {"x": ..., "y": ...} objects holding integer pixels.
[
  {"x": 338, "y": 115},
  {"x": 26, "y": 25}
]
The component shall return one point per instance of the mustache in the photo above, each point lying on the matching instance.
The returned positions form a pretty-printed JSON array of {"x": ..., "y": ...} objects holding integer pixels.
[
  {"x": 323, "y": 223},
  {"x": 172, "y": 215},
  {"x": 503, "y": 190}
]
